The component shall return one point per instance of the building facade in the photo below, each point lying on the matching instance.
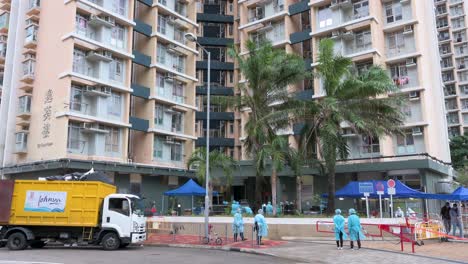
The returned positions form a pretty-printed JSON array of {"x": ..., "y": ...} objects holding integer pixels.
[
  {"x": 115, "y": 85},
  {"x": 451, "y": 27}
]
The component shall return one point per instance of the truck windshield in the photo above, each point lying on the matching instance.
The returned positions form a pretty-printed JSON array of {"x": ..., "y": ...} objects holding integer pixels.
[{"x": 137, "y": 206}]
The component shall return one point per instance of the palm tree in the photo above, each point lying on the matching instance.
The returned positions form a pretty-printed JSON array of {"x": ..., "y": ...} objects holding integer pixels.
[
  {"x": 277, "y": 154},
  {"x": 268, "y": 72},
  {"x": 218, "y": 160},
  {"x": 357, "y": 99}
]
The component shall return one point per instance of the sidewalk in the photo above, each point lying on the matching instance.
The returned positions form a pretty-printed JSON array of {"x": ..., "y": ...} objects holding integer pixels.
[{"x": 323, "y": 250}]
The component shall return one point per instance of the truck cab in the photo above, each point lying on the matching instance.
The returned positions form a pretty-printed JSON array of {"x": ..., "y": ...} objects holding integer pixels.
[{"x": 123, "y": 213}]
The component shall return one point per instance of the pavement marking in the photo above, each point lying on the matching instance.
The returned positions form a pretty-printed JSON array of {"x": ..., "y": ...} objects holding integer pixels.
[{"x": 26, "y": 262}]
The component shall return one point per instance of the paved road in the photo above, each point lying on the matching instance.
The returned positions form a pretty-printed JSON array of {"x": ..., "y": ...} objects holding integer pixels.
[{"x": 135, "y": 255}]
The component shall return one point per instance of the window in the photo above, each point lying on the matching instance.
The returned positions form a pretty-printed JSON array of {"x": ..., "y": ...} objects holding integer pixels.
[
  {"x": 230, "y": 29},
  {"x": 81, "y": 24},
  {"x": 116, "y": 70},
  {"x": 120, "y": 7},
  {"x": 161, "y": 54},
  {"x": 370, "y": 144},
  {"x": 363, "y": 66},
  {"x": 396, "y": 41},
  {"x": 112, "y": 139},
  {"x": 178, "y": 92},
  {"x": 73, "y": 136},
  {"x": 399, "y": 74},
  {"x": 31, "y": 33},
  {"x": 407, "y": 111},
  {"x": 444, "y": 49},
  {"x": 450, "y": 90},
  {"x": 162, "y": 23},
  {"x": 115, "y": 104},
  {"x": 325, "y": 17},
  {"x": 176, "y": 152},
  {"x": 118, "y": 37},
  {"x": 361, "y": 9},
  {"x": 231, "y": 76},
  {"x": 446, "y": 62},
  {"x": 24, "y": 104},
  {"x": 464, "y": 104},
  {"x": 159, "y": 115},
  {"x": 76, "y": 99},
  {"x": 405, "y": 143},
  {"x": 177, "y": 119},
  {"x": 442, "y": 23},
  {"x": 231, "y": 128},
  {"x": 393, "y": 12},
  {"x": 160, "y": 83},
  {"x": 363, "y": 39},
  {"x": 79, "y": 63},
  {"x": 119, "y": 205},
  {"x": 158, "y": 148}
]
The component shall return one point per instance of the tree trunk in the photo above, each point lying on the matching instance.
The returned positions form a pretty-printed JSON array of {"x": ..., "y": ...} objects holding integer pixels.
[
  {"x": 273, "y": 189},
  {"x": 331, "y": 190},
  {"x": 299, "y": 194},
  {"x": 258, "y": 192}
]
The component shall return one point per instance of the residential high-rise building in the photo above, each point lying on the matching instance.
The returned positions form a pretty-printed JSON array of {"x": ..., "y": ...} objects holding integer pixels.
[
  {"x": 453, "y": 48},
  {"x": 115, "y": 86}
]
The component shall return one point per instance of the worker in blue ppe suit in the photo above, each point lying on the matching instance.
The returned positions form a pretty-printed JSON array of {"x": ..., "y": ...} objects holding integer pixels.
[
  {"x": 354, "y": 227},
  {"x": 339, "y": 229},
  {"x": 238, "y": 225},
  {"x": 260, "y": 226},
  {"x": 235, "y": 205},
  {"x": 269, "y": 209}
]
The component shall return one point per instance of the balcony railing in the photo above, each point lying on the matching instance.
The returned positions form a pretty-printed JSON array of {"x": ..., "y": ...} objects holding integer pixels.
[
  {"x": 399, "y": 51},
  {"x": 175, "y": 6}
]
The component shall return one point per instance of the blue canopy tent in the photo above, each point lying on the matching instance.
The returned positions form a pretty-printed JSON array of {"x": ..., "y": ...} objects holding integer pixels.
[
  {"x": 460, "y": 194},
  {"x": 190, "y": 188},
  {"x": 355, "y": 189}
]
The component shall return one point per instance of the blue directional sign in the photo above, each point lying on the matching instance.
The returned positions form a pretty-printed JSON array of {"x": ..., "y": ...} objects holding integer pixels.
[{"x": 366, "y": 187}]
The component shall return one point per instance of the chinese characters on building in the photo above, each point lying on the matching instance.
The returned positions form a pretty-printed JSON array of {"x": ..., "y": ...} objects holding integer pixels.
[{"x": 47, "y": 114}]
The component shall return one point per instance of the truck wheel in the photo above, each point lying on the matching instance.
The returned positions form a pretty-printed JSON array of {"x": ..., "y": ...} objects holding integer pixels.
[
  {"x": 110, "y": 241},
  {"x": 17, "y": 241},
  {"x": 37, "y": 244}
]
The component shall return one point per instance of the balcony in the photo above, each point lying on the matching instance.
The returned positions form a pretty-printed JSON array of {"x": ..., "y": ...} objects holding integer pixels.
[
  {"x": 175, "y": 6},
  {"x": 170, "y": 90},
  {"x": 104, "y": 31},
  {"x": 119, "y": 8},
  {"x": 227, "y": 116},
  {"x": 360, "y": 147},
  {"x": 94, "y": 139},
  {"x": 169, "y": 151},
  {"x": 97, "y": 102},
  {"x": 397, "y": 12},
  {"x": 264, "y": 12},
  {"x": 411, "y": 142},
  {"x": 21, "y": 143},
  {"x": 275, "y": 33},
  {"x": 341, "y": 14},
  {"x": 3, "y": 50},
  {"x": 101, "y": 66},
  {"x": 170, "y": 61},
  {"x": 214, "y": 13},
  {"x": 404, "y": 75},
  {"x": 168, "y": 28},
  {"x": 30, "y": 41},
  {"x": 24, "y": 106},
  {"x": 215, "y": 142},
  {"x": 29, "y": 67},
  {"x": 412, "y": 112},
  {"x": 34, "y": 8},
  {"x": 168, "y": 120}
]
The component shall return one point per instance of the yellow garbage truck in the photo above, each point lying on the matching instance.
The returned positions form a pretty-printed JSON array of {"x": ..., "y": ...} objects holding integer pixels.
[{"x": 34, "y": 213}]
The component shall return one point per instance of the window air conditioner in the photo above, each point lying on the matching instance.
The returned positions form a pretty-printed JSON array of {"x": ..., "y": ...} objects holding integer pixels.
[
  {"x": 417, "y": 131},
  {"x": 408, "y": 29},
  {"x": 410, "y": 62},
  {"x": 109, "y": 19},
  {"x": 414, "y": 95}
]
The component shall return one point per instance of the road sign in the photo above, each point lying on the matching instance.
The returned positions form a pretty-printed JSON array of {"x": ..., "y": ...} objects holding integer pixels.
[
  {"x": 366, "y": 187},
  {"x": 380, "y": 187},
  {"x": 391, "y": 183},
  {"x": 380, "y": 192},
  {"x": 391, "y": 191}
]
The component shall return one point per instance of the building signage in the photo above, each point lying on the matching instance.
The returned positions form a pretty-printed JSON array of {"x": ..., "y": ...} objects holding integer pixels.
[{"x": 44, "y": 201}]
